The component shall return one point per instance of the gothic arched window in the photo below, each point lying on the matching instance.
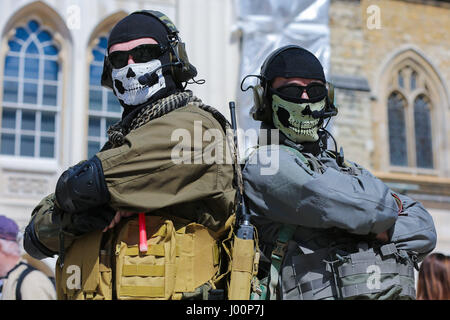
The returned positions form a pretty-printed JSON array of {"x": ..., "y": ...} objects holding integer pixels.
[
  {"x": 104, "y": 108},
  {"x": 410, "y": 120},
  {"x": 31, "y": 94},
  {"x": 422, "y": 130},
  {"x": 397, "y": 130}
]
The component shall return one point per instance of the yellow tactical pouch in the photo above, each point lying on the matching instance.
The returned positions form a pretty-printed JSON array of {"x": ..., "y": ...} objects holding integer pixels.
[
  {"x": 86, "y": 273},
  {"x": 197, "y": 258},
  {"x": 179, "y": 259},
  {"x": 148, "y": 275},
  {"x": 244, "y": 268}
]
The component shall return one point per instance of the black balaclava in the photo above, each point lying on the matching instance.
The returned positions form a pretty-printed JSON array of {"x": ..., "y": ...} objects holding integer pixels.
[
  {"x": 136, "y": 26},
  {"x": 295, "y": 62}
]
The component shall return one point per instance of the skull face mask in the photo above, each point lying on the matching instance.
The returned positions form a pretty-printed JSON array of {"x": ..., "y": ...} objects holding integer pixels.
[
  {"x": 126, "y": 84},
  {"x": 295, "y": 120}
]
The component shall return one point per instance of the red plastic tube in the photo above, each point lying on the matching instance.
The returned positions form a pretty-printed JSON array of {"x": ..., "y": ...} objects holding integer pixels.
[{"x": 142, "y": 233}]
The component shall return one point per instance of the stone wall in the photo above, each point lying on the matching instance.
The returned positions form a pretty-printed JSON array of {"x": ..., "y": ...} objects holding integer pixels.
[
  {"x": 360, "y": 57},
  {"x": 359, "y": 53},
  {"x": 424, "y": 25},
  {"x": 352, "y": 126},
  {"x": 346, "y": 38}
]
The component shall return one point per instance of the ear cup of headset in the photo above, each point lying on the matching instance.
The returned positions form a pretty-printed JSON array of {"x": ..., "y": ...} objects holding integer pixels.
[
  {"x": 330, "y": 99},
  {"x": 185, "y": 70},
  {"x": 330, "y": 89},
  {"x": 258, "y": 97},
  {"x": 261, "y": 109}
]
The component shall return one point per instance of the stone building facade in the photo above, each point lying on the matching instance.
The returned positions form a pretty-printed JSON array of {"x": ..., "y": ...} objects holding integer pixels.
[{"x": 390, "y": 64}]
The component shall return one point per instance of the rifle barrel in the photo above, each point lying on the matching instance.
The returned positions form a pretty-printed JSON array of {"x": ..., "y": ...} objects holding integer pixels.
[{"x": 233, "y": 115}]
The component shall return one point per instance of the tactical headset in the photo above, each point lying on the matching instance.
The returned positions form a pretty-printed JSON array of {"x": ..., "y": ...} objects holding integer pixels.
[
  {"x": 262, "y": 109},
  {"x": 181, "y": 69}
]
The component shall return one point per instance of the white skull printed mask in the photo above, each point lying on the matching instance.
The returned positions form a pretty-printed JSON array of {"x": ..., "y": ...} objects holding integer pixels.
[
  {"x": 290, "y": 118},
  {"x": 126, "y": 84}
]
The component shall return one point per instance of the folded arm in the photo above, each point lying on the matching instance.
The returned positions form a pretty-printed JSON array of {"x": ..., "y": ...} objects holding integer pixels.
[
  {"x": 42, "y": 234},
  {"x": 414, "y": 229},
  {"x": 295, "y": 195}
]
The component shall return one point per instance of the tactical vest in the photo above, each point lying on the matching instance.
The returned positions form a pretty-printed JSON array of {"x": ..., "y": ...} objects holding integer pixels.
[
  {"x": 374, "y": 273},
  {"x": 184, "y": 260}
]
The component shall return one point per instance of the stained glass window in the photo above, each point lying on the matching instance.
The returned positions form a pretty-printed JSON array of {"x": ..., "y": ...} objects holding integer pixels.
[
  {"x": 104, "y": 108},
  {"x": 413, "y": 80},
  {"x": 410, "y": 120},
  {"x": 422, "y": 128},
  {"x": 31, "y": 85},
  {"x": 397, "y": 130},
  {"x": 400, "y": 79}
]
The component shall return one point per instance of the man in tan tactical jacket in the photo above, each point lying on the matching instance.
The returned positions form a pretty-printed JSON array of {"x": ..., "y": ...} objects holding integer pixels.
[{"x": 91, "y": 220}]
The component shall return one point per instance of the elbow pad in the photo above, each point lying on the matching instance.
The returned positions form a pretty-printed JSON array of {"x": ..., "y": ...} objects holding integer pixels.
[{"x": 82, "y": 187}]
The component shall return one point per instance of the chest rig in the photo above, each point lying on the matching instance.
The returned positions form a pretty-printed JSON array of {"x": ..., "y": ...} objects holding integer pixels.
[{"x": 183, "y": 261}]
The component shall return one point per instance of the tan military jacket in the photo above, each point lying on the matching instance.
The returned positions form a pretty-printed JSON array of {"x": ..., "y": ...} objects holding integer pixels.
[{"x": 142, "y": 176}]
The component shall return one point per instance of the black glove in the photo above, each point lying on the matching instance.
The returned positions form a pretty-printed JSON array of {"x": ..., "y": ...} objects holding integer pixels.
[{"x": 93, "y": 219}]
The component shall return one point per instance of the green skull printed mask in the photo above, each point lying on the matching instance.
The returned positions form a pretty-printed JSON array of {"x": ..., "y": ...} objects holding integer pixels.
[{"x": 290, "y": 118}]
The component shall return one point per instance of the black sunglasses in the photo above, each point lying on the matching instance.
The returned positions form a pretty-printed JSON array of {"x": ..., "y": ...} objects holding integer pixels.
[
  {"x": 142, "y": 53},
  {"x": 293, "y": 92}
]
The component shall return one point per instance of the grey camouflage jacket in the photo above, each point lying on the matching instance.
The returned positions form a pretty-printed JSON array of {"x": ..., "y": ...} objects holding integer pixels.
[{"x": 328, "y": 202}]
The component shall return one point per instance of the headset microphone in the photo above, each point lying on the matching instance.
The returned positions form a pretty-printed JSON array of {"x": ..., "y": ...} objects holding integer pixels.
[
  {"x": 152, "y": 78},
  {"x": 323, "y": 113},
  {"x": 149, "y": 79}
]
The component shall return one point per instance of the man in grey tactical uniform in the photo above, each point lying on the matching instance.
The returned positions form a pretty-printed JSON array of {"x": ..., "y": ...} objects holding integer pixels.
[{"x": 328, "y": 228}]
